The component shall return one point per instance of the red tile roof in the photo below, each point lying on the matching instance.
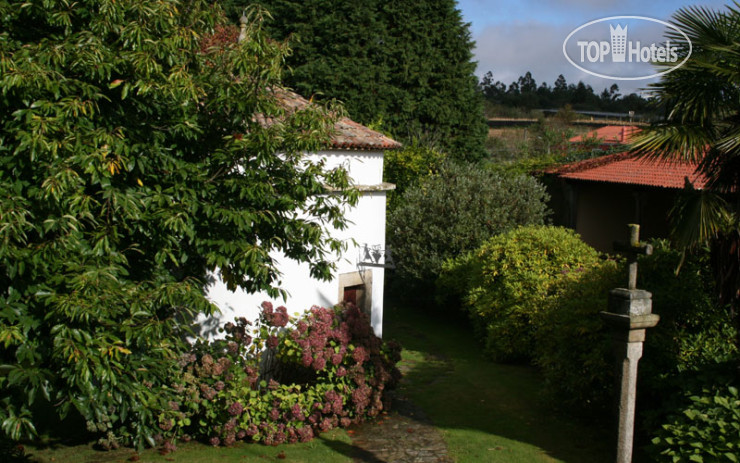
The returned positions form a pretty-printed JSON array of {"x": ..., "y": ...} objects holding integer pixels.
[
  {"x": 626, "y": 168},
  {"x": 348, "y": 133},
  {"x": 609, "y": 135}
]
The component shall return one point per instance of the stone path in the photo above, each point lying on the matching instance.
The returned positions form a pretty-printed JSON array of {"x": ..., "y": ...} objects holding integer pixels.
[{"x": 403, "y": 435}]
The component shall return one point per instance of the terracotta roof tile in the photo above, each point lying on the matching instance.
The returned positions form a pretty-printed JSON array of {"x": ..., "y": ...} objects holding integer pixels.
[
  {"x": 348, "y": 133},
  {"x": 609, "y": 135},
  {"x": 626, "y": 168}
]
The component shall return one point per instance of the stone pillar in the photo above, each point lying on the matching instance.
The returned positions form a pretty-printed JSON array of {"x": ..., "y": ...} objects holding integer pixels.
[{"x": 628, "y": 317}]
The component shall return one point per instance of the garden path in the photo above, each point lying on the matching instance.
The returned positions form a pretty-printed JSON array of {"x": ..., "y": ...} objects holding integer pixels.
[{"x": 403, "y": 435}]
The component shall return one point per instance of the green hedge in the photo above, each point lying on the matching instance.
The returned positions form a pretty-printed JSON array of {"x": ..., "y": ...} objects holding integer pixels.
[
  {"x": 534, "y": 294},
  {"x": 573, "y": 346},
  {"x": 507, "y": 281},
  {"x": 406, "y": 167}
]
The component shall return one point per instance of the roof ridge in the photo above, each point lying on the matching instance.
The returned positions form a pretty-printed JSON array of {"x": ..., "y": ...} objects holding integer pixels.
[
  {"x": 349, "y": 134},
  {"x": 634, "y": 169},
  {"x": 590, "y": 163}
]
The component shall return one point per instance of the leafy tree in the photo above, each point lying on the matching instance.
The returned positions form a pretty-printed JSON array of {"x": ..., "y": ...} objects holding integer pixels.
[
  {"x": 701, "y": 100},
  {"x": 138, "y": 147},
  {"x": 560, "y": 86},
  {"x": 408, "y": 64}
]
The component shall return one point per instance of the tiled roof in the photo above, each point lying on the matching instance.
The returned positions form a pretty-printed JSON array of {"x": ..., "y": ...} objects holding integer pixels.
[
  {"x": 348, "y": 133},
  {"x": 627, "y": 169},
  {"x": 609, "y": 135}
]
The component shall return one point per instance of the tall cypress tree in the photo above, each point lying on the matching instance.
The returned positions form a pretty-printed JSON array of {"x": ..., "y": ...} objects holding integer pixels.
[{"x": 405, "y": 63}]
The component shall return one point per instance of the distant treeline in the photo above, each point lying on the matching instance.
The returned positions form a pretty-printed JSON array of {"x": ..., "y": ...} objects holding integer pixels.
[{"x": 526, "y": 95}]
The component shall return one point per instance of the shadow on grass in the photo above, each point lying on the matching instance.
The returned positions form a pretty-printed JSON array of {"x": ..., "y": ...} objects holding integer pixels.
[
  {"x": 488, "y": 412},
  {"x": 350, "y": 451}
]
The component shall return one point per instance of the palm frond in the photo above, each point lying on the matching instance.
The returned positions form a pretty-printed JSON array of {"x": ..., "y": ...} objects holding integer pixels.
[
  {"x": 703, "y": 26},
  {"x": 698, "y": 216},
  {"x": 672, "y": 141},
  {"x": 722, "y": 170}
]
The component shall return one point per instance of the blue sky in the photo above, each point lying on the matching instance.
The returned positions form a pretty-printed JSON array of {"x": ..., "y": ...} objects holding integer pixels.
[{"x": 516, "y": 36}]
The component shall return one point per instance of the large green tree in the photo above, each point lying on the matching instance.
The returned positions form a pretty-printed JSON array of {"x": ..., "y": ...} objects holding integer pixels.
[
  {"x": 141, "y": 147},
  {"x": 702, "y": 124},
  {"x": 407, "y": 64}
]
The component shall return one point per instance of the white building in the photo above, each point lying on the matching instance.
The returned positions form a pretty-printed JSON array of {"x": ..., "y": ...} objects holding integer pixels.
[{"x": 360, "y": 271}]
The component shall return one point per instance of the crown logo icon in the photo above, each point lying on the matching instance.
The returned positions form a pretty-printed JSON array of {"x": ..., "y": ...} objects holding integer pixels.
[{"x": 619, "y": 42}]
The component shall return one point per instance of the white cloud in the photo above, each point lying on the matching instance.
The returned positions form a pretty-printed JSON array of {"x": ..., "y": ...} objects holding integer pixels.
[
  {"x": 510, "y": 50},
  {"x": 514, "y": 37}
]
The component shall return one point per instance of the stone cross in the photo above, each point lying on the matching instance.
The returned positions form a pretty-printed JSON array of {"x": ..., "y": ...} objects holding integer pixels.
[
  {"x": 633, "y": 249},
  {"x": 629, "y": 315}
]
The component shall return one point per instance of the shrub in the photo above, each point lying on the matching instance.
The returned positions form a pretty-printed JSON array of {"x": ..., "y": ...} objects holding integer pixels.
[
  {"x": 573, "y": 344},
  {"x": 707, "y": 430},
  {"x": 287, "y": 384},
  {"x": 574, "y": 348},
  {"x": 406, "y": 167},
  {"x": 454, "y": 211},
  {"x": 507, "y": 282},
  {"x": 694, "y": 329}
]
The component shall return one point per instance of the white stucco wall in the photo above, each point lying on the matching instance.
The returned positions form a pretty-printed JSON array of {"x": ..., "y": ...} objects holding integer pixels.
[
  {"x": 364, "y": 167},
  {"x": 367, "y": 226}
]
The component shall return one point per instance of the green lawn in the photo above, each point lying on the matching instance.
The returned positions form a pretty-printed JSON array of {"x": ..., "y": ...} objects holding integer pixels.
[
  {"x": 332, "y": 447},
  {"x": 486, "y": 412}
]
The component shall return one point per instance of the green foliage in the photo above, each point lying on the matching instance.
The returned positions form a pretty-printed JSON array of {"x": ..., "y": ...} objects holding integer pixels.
[
  {"x": 454, "y": 211},
  {"x": 706, "y": 431},
  {"x": 407, "y": 166},
  {"x": 541, "y": 146},
  {"x": 134, "y": 158},
  {"x": 694, "y": 330},
  {"x": 572, "y": 343},
  {"x": 694, "y": 333},
  {"x": 508, "y": 280},
  {"x": 407, "y": 63},
  {"x": 701, "y": 101},
  {"x": 285, "y": 384}
]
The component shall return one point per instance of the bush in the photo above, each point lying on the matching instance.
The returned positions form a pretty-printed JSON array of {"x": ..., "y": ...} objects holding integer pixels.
[
  {"x": 406, "y": 167},
  {"x": 454, "y": 211},
  {"x": 287, "y": 384},
  {"x": 574, "y": 348},
  {"x": 573, "y": 344},
  {"x": 694, "y": 329},
  {"x": 508, "y": 280},
  {"x": 707, "y": 430}
]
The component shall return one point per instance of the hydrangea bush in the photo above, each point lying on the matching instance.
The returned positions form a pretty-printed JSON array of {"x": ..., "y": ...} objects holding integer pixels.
[{"x": 283, "y": 380}]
